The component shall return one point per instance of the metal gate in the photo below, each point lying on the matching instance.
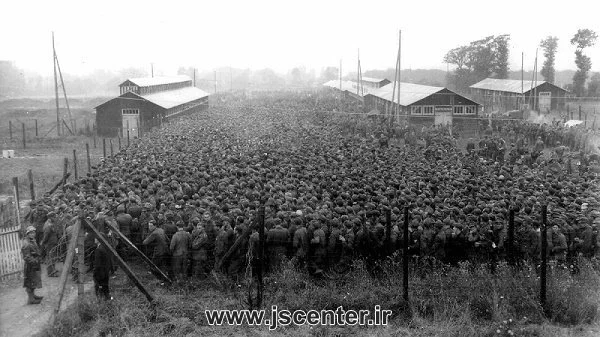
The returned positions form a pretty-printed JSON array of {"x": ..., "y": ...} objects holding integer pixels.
[{"x": 11, "y": 261}]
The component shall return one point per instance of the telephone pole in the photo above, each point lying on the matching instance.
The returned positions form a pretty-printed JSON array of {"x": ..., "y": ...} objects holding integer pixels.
[{"x": 55, "y": 88}]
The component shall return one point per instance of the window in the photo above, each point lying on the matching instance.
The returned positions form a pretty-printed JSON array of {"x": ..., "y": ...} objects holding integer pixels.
[
  {"x": 415, "y": 110},
  {"x": 464, "y": 110},
  {"x": 428, "y": 110},
  {"x": 470, "y": 109},
  {"x": 458, "y": 110},
  {"x": 130, "y": 111}
]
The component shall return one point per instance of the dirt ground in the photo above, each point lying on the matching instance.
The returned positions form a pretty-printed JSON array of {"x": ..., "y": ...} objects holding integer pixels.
[{"x": 19, "y": 319}]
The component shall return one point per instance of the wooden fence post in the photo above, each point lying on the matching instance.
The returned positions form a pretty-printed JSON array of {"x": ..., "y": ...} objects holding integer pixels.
[
  {"x": 36, "y": 128},
  {"x": 388, "y": 231},
  {"x": 261, "y": 254},
  {"x": 75, "y": 163},
  {"x": 405, "y": 256},
  {"x": 104, "y": 148},
  {"x": 111, "y": 148},
  {"x": 511, "y": 237},
  {"x": 119, "y": 144},
  {"x": 65, "y": 169},
  {"x": 544, "y": 257},
  {"x": 120, "y": 261},
  {"x": 24, "y": 138},
  {"x": 153, "y": 268},
  {"x": 87, "y": 154},
  {"x": 127, "y": 133},
  {"x": 31, "y": 187},
  {"x": 80, "y": 261},
  {"x": 15, "y": 182},
  {"x": 10, "y": 129},
  {"x": 65, "y": 270}
]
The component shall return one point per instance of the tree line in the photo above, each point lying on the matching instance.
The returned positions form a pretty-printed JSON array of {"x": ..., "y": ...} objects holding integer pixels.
[{"x": 488, "y": 57}]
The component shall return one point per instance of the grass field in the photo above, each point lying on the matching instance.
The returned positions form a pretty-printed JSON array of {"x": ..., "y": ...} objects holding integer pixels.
[{"x": 44, "y": 154}]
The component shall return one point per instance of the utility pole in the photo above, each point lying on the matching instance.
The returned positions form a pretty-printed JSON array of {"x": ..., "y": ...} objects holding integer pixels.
[
  {"x": 399, "y": 67},
  {"x": 341, "y": 92},
  {"x": 152, "y": 69},
  {"x": 194, "y": 77},
  {"x": 55, "y": 87},
  {"x": 62, "y": 83},
  {"x": 522, "y": 81}
]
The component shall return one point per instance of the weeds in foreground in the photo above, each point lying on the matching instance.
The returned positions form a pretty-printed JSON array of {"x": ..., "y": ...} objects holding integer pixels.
[{"x": 460, "y": 301}]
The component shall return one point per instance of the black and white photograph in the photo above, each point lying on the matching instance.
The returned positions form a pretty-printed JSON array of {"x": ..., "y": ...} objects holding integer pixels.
[{"x": 299, "y": 168}]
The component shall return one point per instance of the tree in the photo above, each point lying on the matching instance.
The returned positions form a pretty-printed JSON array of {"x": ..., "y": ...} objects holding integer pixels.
[
  {"x": 594, "y": 85},
  {"x": 582, "y": 39},
  {"x": 478, "y": 60},
  {"x": 500, "y": 62},
  {"x": 550, "y": 45},
  {"x": 329, "y": 73}
]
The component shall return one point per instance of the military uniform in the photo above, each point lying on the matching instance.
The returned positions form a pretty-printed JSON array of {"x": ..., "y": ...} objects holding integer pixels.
[{"x": 32, "y": 275}]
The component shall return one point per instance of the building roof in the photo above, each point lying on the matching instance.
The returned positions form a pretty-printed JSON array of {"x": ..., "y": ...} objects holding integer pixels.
[
  {"x": 512, "y": 86},
  {"x": 349, "y": 86},
  {"x": 374, "y": 80},
  {"x": 409, "y": 92},
  {"x": 151, "y": 81},
  {"x": 172, "y": 98},
  {"x": 166, "y": 99}
]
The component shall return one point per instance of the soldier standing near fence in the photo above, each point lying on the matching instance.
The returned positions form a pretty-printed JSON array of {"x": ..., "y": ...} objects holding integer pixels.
[
  {"x": 49, "y": 242},
  {"x": 102, "y": 270},
  {"x": 32, "y": 270}
]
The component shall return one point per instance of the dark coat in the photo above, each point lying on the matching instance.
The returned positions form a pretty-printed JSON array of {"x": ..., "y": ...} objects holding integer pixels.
[
  {"x": 32, "y": 255},
  {"x": 158, "y": 240},
  {"x": 50, "y": 239},
  {"x": 102, "y": 264}
]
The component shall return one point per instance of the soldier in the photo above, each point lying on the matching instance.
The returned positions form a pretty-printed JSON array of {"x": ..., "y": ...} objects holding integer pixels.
[
  {"x": 198, "y": 253},
  {"x": 179, "y": 251},
  {"x": 102, "y": 270},
  {"x": 277, "y": 241},
  {"x": 123, "y": 221},
  {"x": 301, "y": 244},
  {"x": 39, "y": 215},
  {"x": 470, "y": 146},
  {"x": 157, "y": 241},
  {"x": 559, "y": 245},
  {"x": 223, "y": 242},
  {"x": 318, "y": 244},
  {"x": 49, "y": 242},
  {"x": 211, "y": 234},
  {"x": 237, "y": 265},
  {"x": 334, "y": 243},
  {"x": 32, "y": 256}
]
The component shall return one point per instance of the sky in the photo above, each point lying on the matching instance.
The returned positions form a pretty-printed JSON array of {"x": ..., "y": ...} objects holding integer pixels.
[{"x": 114, "y": 35}]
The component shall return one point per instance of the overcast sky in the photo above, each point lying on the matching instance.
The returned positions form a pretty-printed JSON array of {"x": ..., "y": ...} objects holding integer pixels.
[{"x": 280, "y": 34}]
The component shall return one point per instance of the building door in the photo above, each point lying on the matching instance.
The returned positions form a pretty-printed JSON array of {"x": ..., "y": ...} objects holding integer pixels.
[
  {"x": 545, "y": 99},
  {"x": 443, "y": 115},
  {"x": 131, "y": 119}
]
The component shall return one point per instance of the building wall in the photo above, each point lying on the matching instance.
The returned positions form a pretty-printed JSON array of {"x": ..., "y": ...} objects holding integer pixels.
[
  {"x": 557, "y": 96},
  {"x": 506, "y": 101},
  {"x": 109, "y": 118}
]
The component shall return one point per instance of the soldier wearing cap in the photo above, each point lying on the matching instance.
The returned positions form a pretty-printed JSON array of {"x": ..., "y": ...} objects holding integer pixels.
[
  {"x": 157, "y": 241},
  {"x": 179, "y": 247},
  {"x": 32, "y": 275}
]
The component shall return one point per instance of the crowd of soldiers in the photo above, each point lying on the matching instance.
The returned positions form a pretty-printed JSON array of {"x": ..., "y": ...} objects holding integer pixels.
[{"x": 187, "y": 192}]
